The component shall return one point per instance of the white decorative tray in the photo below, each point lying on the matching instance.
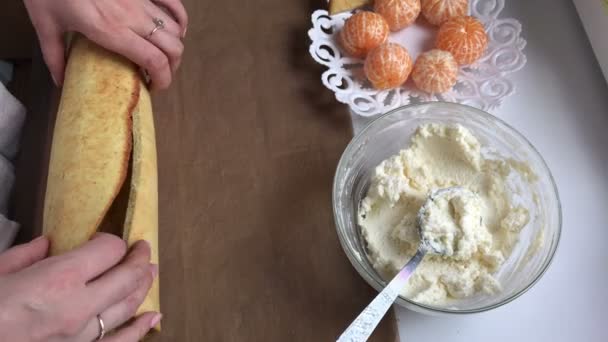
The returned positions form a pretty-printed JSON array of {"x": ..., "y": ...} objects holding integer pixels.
[{"x": 483, "y": 84}]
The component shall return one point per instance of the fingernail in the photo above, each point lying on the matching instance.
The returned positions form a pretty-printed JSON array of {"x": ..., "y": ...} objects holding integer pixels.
[
  {"x": 39, "y": 238},
  {"x": 184, "y": 34},
  {"x": 145, "y": 242},
  {"x": 141, "y": 242},
  {"x": 154, "y": 270},
  {"x": 155, "y": 320},
  {"x": 54, "y": 80}
]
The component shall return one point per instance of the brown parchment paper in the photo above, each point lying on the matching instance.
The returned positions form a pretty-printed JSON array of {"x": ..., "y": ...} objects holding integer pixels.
[{"x": 248, "y": 141}]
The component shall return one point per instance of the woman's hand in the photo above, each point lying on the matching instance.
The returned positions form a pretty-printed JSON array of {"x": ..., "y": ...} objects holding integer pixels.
[
  {"x": 123, "y": 26},
  {"x": 58, "y": 298}
]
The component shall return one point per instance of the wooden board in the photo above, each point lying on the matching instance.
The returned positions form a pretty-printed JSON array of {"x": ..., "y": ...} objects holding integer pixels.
[{"x": 248, "y": 141}]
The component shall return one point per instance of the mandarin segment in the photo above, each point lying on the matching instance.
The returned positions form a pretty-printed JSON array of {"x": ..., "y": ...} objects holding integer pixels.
[
  {"x": 362, "y": 32},
  {"x": 388, "y": 66},
  {"x": 398, "y": 13},
  {"x": 464, "y": 37},
  {"x": 435, "y": 71},
  {"x": 437, "y": 12}
]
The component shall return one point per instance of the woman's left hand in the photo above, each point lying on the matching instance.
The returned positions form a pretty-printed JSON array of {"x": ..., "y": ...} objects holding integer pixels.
[{"x": 60, "y": 298}]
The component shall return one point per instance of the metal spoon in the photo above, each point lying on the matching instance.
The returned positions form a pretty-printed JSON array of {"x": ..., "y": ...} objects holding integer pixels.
[{"x": 363, "y": 326}]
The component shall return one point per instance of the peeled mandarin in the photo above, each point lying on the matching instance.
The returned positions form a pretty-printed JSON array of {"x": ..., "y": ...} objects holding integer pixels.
[
  {"x": 388, "y": 66},
  {"x": 398, "y": 13},
  {"x": 435, "y": 71},
  {"x": 464, "y": 37},
  {"x": 437, "y": 12},
  {"x": 362, "y": 32}
]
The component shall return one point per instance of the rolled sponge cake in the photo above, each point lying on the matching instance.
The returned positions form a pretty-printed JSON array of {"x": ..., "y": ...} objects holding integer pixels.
[{"x": 103, "y": 141}]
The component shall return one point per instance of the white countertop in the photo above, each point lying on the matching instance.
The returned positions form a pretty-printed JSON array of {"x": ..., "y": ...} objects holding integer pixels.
[{"x": 561, "y": 106}]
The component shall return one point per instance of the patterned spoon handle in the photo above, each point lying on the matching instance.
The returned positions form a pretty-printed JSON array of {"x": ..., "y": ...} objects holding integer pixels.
[{"x": 363, "y": 326}]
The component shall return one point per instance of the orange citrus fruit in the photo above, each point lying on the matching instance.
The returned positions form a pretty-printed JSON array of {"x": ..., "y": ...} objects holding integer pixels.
[
  {"x": 464, "y": 37},
  {"x": 363, "y": 32},
  {"x": 388, "y": 66},
  {"x": 435, "y": 71},
  {"x": 398, "y": 13},
  {"x": 439, "y": 11}
]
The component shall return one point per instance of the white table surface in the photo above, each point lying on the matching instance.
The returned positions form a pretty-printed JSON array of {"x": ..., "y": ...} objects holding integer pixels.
[{"x": 561, "y": 106}]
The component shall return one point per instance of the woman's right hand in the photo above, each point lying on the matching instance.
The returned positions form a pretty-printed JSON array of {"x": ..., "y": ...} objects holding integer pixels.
[
  {"x": 122, "y": 26},
  {"x": 59, "y": 298}
]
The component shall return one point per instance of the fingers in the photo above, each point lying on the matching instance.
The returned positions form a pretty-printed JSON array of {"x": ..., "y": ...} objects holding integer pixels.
[
  {"x": 121, "y": 281},
  {"x": 97, "y": 256},
  {"x": 117, "y": 314},
  {"x": 171, "y": 46},
  {"x": 154, "y": 11},
  {"x": 137, "y": 329},
  {"x": 178, "y": 11},
  {"x": 22, "y": 256},
  {"x": 168, "y": 39},
  {"x": 141, "y": 52},
  {"x": 159, "y": 54},
  {"x": 53, "y": 50}
]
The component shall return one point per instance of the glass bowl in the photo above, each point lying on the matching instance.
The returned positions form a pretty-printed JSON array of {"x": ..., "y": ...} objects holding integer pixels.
[{"x": 390, "y": 133}]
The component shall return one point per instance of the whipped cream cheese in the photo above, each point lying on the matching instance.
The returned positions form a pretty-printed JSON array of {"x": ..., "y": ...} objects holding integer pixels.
[{"x": 479, "y": 228}]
